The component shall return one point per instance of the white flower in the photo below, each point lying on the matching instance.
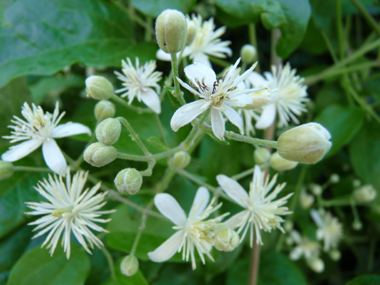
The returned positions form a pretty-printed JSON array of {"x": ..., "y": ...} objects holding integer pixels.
[
  {"x": 69, "y": 209},
  {"x": 206, "y": 42},
  {"x": 139, "y": 82},
  {"x": 219, "y": 95},
  {"x": 305, "y": 247},
  {"x": 330, "y": 230},
  {"x": 41, "y": 129},
  {"x": 192, "y": 232},
  {"x": 261, "y": 212},
  {"x": 288, "y": 94}
]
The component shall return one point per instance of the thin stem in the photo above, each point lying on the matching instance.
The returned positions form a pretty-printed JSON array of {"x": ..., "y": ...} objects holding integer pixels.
[
  {"x": 141, "y": 229},
  {"x": 339, "y": 26},
  {"x": 148, "y": 29},
  {"x": 138, "y": 110},
  {"x": 253, "y": 141},
  {"x": 370, "y": 20},
  {"x": 337, "y": 202},
  {"x": 135, "y": 137},
  {"x": 109, "y": 261},
  {"x": 133, "y": 16},
  {"x": 32, "y": 169},
  {"x": 178, "y": 94},
  {"x": 160, "y": 129},
  {"x": 243, "y": 174},
  {"x": 329, "y": 46},
  {"x": 253, "y": 41}
]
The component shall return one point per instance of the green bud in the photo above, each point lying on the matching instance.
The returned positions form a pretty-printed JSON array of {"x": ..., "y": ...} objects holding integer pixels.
[
  {"x": 104, "y": 109},
  {"x": 108, "y": 131},
  {"x": 306, "y": 200},
  {"x": 98, "y": 87},
  {"x": 306, "y": 143},
  {"x": 356, "y": 183},
  {"x": 357, "y": 225},
  {"x": 316, "y": 189},
  {"x": 171, "y": 31},
  {"x": 335, "y": 254},
  {"x": 226, "y": 239},
  {"x": 261, "y": 155},
  {"x": 191, "y": 32},
  {"x": 280, "y": 164},
  {"x": 129, "y": 265},
  {"x": 99, "y": 154},
  {"x": 365, "y": 193},
  {"x": 6, "y": 169},
  {"x": 181, "y": 159},
  {"x": 316, "y": 264},
  {"x": 288, "y": 226},
  {"x": 248, "y": 53},
  {"x": 334, "y": 178},
  {"x": 128, "y": 180}
]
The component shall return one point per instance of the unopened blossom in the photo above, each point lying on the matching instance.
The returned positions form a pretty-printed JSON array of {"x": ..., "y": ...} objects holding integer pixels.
[
  {"x": 38, "y": 129},
  {"x": 330, "y": 230},
  {"x": 304, "y": 247},
  {"x": 206, "y": 42},
  {"x": 288, "y": 95},
  {"x": 69, "y": 209},
  {"x": 261, "y": 210},
  {"x": 140, "y": 82},
  {"x": 218, "y": 95},
  {"x": 194, "y": 233}
]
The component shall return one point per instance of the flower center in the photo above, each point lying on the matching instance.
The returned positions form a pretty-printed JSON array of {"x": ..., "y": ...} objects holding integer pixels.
[{"x": 58, "y": 213}]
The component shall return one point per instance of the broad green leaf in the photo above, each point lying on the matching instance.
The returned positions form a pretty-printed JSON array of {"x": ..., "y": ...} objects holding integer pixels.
[
  {"x": 157, "y": 143},
  {"x": 38, "y": 267},
  {"x": 365, "y": 152},
  {"x": 291, "y": 17},
  {"x": 100, "y": 271},
  {"x": 331, "y": 93},
  {"x": 343, "y": 122},
  {"x": 365, "y": 280},
  {"x": 42, "y": 37},
  {"x": 12, "y": 204},
  {"x": 154, "y": 8},
  {"x": 121, "y": 279}
]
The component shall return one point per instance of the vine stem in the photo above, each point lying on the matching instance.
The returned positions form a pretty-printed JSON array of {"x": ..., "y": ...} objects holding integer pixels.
[
  {"x": 178, "y": 93},
  {"x": 138, "y": 110},
  {"x": 109, "y": 261},
  {"x": 32, "y": 169}
]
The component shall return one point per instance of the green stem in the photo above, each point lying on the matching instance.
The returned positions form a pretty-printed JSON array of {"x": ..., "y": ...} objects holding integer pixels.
[
  {"x": 178, "y": 94},
  {"x": 133, "y": 16},
  {"x": 148, "y": 29},
  {"x": 138, "y": 110},
  {"x": 339, "y": 26},
  {"x": 220, "y": 62},
  {"x": 135, "y": 137},
  {"x": 109, "y": 261},
  {"x": 243, "y": 174},
  {"x": 160, "y": 129},
  {"x": 337, "y": 202},
  {"x": 141, "y": 228},
  {"x": 370, "y": 20},
  {"x": 32, "y": 169},
  {"x": 253, "y": 141},
  {"x": 253, "y": 41}
]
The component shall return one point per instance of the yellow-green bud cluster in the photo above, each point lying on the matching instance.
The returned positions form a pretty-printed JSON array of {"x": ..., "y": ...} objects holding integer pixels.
[
  {"x": 280, "y": 164},
  {"x": 248, "y": 53},
  {"x": 128, "y": 180},
  {"x": 129, "y": 265},
  {"x": 108, "y": 131},
  {"x": 171, "y": 31},
  {"x": 365, "y": 193},
  {"x": 98, "y": 87},
  {"x": 261, "y": 155},
  {"x": 104, "y": 109},
  {"x": 181, "y": 159},
  {"x": 226, "y": 239},
  {"x": 6, "y": 169},
  {"x": 99, "y": 154}
]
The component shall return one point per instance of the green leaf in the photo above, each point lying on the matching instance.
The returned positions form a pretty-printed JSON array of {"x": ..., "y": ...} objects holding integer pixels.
[
  {"x": 365, "y": 280},
  {"x": 364, "y": 153},
  {"x": 157, "y": 143},
  {"x": 343, "y": 122},
  {"x": 37, "y": 267},
  {"x": 154, "y": 8},
  {"x": 121, "y": 279},
  {"x": 42, "y": 37}
]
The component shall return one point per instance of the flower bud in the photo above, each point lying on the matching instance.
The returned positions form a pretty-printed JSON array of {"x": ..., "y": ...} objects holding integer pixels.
[
  {"x": 129, "y": 265},
  {"x": 357, "y": 225},
  {"x": 181, "y": 159},
  {"x": 6, "y": 169},
  {"x": 334, "y": 178},
  {"x": 99, "y": 154},
  {"x": 280, "y": 164},
  {"x": 191, "y": 32},
  {"x": 335, "y": 254},
  {"x": 171, "y": 31},
  {"x": 128, "y": 180},
  {"x": 306, "y": 200},
  {"x": 248, "y": 53},
  {"x": 365, "y": 194},
  {"x": 108, "y": 131},
  {"x": 226, "y": 239},
  {"x": 104, "y": 109},
  {"x": 261, "y": 155},
  {"x": 316, "y": 189},
  {"x": 288, "y": 226},
  {"x": 316, "y": 264},
  {"x": 356, "y": 183},
  {"x": 306, "y": 143},
  {"x": 98, "y": 87}
]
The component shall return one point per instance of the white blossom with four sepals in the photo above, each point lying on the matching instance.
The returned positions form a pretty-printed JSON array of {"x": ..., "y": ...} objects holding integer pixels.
[
  {"x": 41, "y": 129},
  {"x": 218, "y": 95},
  {"x": 261, "y": 212},
  {"x": 193, "y": 232},
  {"x": 304, "y": 247},
  {"x": 139, "y": 82}
]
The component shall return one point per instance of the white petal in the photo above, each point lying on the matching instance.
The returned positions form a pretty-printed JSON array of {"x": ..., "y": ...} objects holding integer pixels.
[
  {"x": 257, "y": 173},
  {"x": 166, "y": 250},
  {"x": 161, "y": 55},
  {"x": 217, "y": 123},
  {"x": 200, "y": 203},
  {"x": 240, "y": 101},
  {"x": 21, "y": 150},
  {"x": 186, "y": 114},
  {"x": 234, "y": 190},
  {"x": 236, "y": 220},
  {"x": 202, "y": 58},
  {"x": 70, "y": 129},
  {"x": 257, "y": 80},
  {"x": 296, "y": 253},
  {"x": 54, "y": 157},
  {"x": 150, "y": 98},
  {"x": 316, "y": 217},
  {"x": 267, "y": 117},
  {"x": 169, "y": 207},
  {"x": 199, "y": 71},
  {"x": 234, "y": 118}
]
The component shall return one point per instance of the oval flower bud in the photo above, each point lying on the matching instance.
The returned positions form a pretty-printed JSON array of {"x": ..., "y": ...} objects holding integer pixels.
[
  {"x": 128, "y": 180},
  {"x": 108, "y": 131},
  {"x": 334, "y": 178},
  {"x": 129, "y": 265},
  {"x": 306, "y": 200},
  {"x": 99, "y": 154},
  {"x": 316, "y": 189},
  {"x": 306, "y": 143},
  {"x": 316, "y": 264},
  {"x": 98, "y": 87},
  {"x": 281, "y": 164},
  {"x": 335, "y": 254},
  {"x": 365, "y": 194},
  {"x": 104, "y": 109},
  {"x": 357, "y": 225},
  {"x": 248, "y": 53},
  {"x": 261, "y": 155},
  {"x": 181, "y": 159},
  {"x": 226, "y": 239},
  {"x": 171, "y": 31},
  {"x": 6, "y": 169},
  {"x": 191, "y": 32}
]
